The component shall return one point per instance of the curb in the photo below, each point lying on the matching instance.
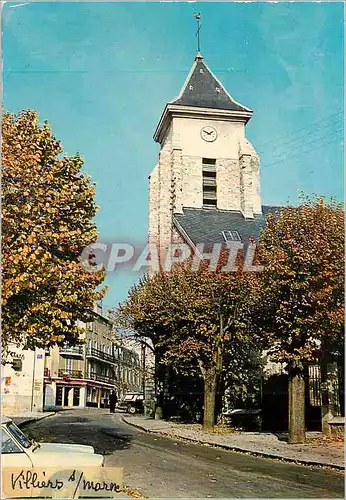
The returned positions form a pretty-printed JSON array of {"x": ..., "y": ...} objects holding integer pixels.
[
  {"x": 32, "y": 419},
  {"x": 138, "y": 426},
  {"x": 242, "y": 450}
]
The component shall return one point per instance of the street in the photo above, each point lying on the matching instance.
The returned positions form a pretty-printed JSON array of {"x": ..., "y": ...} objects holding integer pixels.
[{"x": 166, "y": 468}]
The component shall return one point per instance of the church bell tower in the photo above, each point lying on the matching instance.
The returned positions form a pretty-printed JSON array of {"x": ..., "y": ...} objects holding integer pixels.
[{"x": 205, "y": 161}]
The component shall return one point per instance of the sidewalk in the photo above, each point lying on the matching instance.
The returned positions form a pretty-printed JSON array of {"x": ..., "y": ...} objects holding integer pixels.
[
  {"x": 263, "y": 444},
  {"x": 25, "y": 417}
]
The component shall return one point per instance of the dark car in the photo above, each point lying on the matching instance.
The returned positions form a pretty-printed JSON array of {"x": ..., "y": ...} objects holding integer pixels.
[
  {"x": 248, "y": 419},
  {"x": 132, "y": 403}
]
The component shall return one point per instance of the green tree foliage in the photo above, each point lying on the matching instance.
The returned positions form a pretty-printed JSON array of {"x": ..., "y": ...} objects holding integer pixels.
[{"x": 48, "y": 209}]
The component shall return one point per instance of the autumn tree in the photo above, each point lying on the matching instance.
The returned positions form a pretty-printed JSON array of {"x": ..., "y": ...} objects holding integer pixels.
[
  {"x": 194, "y": 317},
  {"x": 301, "y": 312},
  {"x": 48, "y": 209},
  {"x": 141, "y": 317}
]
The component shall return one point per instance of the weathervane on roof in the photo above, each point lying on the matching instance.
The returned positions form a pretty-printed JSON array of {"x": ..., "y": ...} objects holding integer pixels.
[{"x": 197, "y": 15}]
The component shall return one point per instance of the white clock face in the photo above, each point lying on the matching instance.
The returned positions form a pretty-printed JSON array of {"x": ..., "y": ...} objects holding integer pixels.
[{"x": 208, "y": 133}]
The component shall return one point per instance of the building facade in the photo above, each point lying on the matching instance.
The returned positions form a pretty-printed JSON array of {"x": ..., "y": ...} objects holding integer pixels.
[
  {"x": 86, "y": 374},
  {"x": 22, "y": 381},
  {"x": 82, "y": 375},
  {"x": 70, "y": 376},
  {"x": 128, "y": 370}
]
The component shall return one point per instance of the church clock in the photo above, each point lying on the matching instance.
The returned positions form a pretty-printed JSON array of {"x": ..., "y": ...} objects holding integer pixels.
[{"x": 209, "y": 134}]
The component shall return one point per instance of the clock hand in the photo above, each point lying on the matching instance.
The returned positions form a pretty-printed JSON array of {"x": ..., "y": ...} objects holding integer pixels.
[{"x": 209, "y": 133}]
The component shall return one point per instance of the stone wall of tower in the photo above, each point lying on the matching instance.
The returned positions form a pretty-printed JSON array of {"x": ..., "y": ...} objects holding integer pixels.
[
  {"x": 246, "y": 185},
  {"x": 153, "y": 225},
  {"x": 166, "y": 198},
  {"x": 228, "y": 182},
  {"x": 177, "y": 180},
  {"x": 192, "y": 192},
  {"x": 256, "y": 184},
  {"x": 238, "y": 182},
  {"x": 249, "y": 180}
]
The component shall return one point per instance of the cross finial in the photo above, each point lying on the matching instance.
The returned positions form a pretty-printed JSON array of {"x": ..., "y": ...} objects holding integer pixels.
[{"x": 197, "y": 15}]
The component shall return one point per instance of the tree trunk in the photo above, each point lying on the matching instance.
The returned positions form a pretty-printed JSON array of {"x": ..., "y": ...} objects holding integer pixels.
[
  {"x": 296, "y": 403},
  {"x": 211, "y": 375},
  {"x": 210, "y": 386}
]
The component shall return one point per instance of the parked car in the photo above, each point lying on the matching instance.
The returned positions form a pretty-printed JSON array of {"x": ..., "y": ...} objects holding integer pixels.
[
  {"x": 248, "y": 419},
  {"x": 132, "y": 403},
  {"x": 19, "y": 451}
]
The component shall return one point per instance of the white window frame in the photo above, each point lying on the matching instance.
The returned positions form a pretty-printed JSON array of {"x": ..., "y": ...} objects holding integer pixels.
[{"x": 231, "y": 235}]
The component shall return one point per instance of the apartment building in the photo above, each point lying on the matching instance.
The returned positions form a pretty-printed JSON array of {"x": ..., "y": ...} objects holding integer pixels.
[
  {"x": 128, "y": 370},
  {"x": 83, "y": 375}
]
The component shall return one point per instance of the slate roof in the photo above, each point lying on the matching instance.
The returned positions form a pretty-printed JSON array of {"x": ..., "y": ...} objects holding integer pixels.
[
  {"x": 206, "y": 225},
  {"x": 203, "y": 89}
]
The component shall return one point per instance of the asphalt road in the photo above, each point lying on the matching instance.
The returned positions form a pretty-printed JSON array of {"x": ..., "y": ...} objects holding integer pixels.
[{"x": 165, "y": 468}]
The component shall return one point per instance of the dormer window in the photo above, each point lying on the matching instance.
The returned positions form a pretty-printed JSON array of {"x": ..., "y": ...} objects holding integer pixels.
[
  {"x": 190, "y": 87},
  {"x": 217, "y": 89},
  {"x": 231, "y": 236}
]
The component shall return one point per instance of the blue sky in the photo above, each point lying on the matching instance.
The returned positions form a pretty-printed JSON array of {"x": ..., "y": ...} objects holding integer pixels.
[{"x": 101, "y": 74}]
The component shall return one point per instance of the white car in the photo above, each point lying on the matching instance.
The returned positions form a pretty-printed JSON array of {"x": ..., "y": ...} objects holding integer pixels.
[{"x": 18, "y": 451}]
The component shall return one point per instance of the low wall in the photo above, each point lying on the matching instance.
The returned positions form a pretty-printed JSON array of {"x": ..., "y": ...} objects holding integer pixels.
[
  {"x": 337, "y": 426},
  {"x": 16, "y": 404}
]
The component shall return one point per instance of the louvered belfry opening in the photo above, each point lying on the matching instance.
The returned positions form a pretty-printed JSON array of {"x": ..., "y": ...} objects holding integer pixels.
[{"x": 209, "y": 183}]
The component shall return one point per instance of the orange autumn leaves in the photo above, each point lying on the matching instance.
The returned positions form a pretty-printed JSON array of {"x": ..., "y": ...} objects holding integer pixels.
[
  {"x": 48, "y": 209},
  {"x": 302, "y": 304}
]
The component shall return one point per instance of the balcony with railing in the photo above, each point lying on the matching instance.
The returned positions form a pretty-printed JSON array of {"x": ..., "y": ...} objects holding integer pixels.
[
  {"x": 69, "y": 374},
  {"x": 101, "y": 378},
  {"x": 94, "y": 353},
  {"x": 72, "y": 351}
]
